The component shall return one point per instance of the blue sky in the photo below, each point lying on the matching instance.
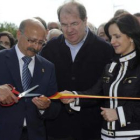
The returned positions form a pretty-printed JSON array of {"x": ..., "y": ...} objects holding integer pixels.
[{"x": 98, "y": 11}]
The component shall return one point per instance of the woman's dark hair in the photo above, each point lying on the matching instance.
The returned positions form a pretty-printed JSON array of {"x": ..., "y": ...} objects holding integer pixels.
[
  {"x": 127, "y": 24},
  {"x": 2, "y": 48},
  {"x": 10, "y": 36}
]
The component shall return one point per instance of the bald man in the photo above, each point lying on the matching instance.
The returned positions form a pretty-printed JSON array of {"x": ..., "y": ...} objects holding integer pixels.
[{"x": 25, "y": 119}]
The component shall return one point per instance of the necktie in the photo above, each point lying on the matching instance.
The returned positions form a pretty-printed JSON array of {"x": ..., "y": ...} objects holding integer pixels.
[{"x": 26, "y": 75}]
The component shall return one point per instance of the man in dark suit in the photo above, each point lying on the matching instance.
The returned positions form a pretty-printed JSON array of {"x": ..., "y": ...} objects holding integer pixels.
[
  {"x": 25, "y": 119},
  {"x": 79, "y": 57}
]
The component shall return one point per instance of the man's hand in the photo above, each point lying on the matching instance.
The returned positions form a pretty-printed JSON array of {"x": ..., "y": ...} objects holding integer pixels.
[
  {"x": 41, "y": 102},
  {"x": 6, "y": 96},
  {"x": 67, "y": 101},
  {"x": 109, "y": 115}
]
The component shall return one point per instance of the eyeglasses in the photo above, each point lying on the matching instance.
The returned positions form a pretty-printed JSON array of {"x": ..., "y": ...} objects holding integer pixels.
[
  {"x": 34, "y": 41},
  {"x": 72, "y": 25}
]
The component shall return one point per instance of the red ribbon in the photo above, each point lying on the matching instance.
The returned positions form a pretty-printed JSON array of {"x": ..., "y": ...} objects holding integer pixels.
[{"x": 60, "y": 95}]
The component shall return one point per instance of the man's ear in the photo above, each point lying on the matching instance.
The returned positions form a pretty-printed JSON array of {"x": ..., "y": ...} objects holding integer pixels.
[{"x": 18, "y": 34}]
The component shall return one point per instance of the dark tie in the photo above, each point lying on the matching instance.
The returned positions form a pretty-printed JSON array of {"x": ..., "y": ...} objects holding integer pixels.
[{"x": 26, "y": 75}]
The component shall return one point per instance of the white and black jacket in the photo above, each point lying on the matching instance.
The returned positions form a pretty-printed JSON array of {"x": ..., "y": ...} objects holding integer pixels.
[{"x": 121, "y": 78}]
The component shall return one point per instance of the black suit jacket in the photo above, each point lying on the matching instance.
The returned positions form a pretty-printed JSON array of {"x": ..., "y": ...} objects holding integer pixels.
[
  {"x": 11, "y": 118},
  {"x": 79, "y": 75}
]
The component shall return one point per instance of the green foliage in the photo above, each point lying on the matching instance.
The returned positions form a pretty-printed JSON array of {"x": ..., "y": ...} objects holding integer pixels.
[{"x": 10, "y": 27}]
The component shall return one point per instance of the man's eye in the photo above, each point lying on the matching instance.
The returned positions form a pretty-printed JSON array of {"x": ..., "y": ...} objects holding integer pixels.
[
  {"x": 64, "y": 25},
  {"x": 40, "y": 43},
  {"x": 31, "y": 41},
  {"x": 75, "y": 23}
]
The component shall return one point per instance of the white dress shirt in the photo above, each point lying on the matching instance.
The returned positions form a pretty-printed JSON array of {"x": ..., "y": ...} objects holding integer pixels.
[{"x": 21, "y": 63}]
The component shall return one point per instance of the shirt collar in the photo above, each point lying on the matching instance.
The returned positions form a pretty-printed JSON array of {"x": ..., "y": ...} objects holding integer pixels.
[
  {"x": 20, "y": 54},
  {"x": 81, "y": 42},
  {"x": 128, "y": 56}
]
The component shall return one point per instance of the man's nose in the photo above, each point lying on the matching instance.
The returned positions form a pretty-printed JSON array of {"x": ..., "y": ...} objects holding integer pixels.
[
  {"x": 37, "y": 46},
  {"x": 69, "y": 28}
]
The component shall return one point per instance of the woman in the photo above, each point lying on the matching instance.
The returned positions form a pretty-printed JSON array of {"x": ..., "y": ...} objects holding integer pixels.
[
  {"x": 120, "y": 78},
  {"x": 7, "y": 39}
]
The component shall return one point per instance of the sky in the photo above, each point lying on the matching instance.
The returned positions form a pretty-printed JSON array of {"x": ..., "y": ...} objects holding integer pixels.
[{"x": 98, "y": 11}]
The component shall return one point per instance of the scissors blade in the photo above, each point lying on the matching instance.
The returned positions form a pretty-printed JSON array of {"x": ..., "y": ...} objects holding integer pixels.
[
  {"x": 27, "y": 91},
  {"x": 32, "y": 95}
]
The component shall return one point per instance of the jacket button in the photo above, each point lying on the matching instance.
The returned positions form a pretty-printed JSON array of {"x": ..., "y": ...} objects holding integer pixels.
[
  {"x": 129, "y": 81},
  {"x": 73, "y": 78},
  {"x": 69, "y": 110}
]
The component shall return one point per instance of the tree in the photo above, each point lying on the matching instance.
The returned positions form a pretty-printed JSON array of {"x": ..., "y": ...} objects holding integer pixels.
[{"x": 10, "y": 27}]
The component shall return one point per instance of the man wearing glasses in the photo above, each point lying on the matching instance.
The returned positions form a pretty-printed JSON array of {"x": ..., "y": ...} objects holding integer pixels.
[{"x": 25, "y": 119}]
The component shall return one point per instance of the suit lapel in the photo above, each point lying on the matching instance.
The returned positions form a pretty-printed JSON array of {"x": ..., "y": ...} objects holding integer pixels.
[
  {"x": 13, "y": 66},
  {"x": 38, "y": 72}
]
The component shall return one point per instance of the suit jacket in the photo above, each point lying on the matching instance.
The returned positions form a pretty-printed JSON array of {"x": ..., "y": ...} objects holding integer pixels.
[
  {"x": 11, "y": 118},
  {"x": 78, "y": 75}
]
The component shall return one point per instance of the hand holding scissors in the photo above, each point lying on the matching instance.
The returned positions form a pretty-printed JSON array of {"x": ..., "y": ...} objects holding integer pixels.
[
  {"x": 20, "y": 95},
  {"x": 6, "y": 95}
]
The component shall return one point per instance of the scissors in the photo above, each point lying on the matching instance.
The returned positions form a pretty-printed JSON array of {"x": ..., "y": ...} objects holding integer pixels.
[{"x": 23, "y": 94}]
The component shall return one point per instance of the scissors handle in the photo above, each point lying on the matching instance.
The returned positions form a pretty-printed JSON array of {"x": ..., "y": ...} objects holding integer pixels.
[
  {"x": 18, "y": 94},
  {"x": 7, "y": 104},
  {"x": 13, "y": 89}
]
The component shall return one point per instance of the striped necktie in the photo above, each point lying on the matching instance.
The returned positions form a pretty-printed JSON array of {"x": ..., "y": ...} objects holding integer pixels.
[{"x": 26, "y": 75}]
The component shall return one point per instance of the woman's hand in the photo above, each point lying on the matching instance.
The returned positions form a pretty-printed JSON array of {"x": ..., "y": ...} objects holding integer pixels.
[
  {"x": 109, "y": 115},
  {"x": 67, "y": 100}
]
